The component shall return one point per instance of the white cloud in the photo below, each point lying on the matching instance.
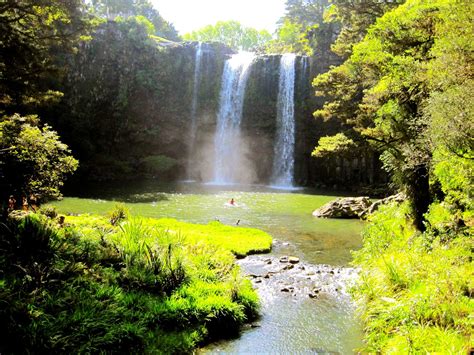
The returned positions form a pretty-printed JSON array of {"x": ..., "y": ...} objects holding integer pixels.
[{"x": 189, "y": 15}]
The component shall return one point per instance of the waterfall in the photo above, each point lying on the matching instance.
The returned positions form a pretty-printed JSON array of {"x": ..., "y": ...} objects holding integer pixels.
[
  {"x": 194, "y": 106},
  {"x": 228, "y": 153},
  {"x": 283, "y": 158}
]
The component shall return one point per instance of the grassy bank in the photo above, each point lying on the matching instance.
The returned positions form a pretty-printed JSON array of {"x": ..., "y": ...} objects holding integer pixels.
[
  {"x": 136, "y": 284},
  {"x": 416, "y": 289},
  {"x": 240, "y": 241}
]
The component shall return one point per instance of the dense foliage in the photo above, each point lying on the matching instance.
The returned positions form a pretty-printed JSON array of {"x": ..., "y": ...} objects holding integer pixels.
[
  {"x": 32, "y": 35},
  {"x": 390, "y": 89},
  {"x": 32, "y": 159},
  {"x": 405, "y": 89},
  {"x": 232, "y": 34},
  {"x": 302, "y": 29},
  {"x": 124, "y": 9},
  {"x": 416, "y": 290},
  {"x": 88, "y": 286}
]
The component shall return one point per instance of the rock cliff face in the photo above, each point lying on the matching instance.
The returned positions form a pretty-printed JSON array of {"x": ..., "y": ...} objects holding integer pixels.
[{"x": 133, "y": 97}]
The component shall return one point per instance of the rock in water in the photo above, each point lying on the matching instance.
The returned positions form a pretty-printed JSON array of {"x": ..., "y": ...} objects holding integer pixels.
[
  {"x": 347, "y": 207},
  {"x": 293, "y": 260}
]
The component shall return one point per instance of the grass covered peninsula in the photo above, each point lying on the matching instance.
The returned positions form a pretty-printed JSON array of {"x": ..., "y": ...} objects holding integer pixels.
[{"x": 117, "y": 284}]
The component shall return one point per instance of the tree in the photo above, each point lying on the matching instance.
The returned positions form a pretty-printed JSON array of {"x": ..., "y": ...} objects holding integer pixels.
[
  {"x": 383, "y": 89},
  {"x": 290, "y": 38},
  {"x": 32, "y": 158},
  {"x": 449, "y": 110},
  {"x": 355, "y": 18},
  {"x": 111, "y": 9},
  {"x": 338, "y": 144},
  {"x": 32, "y": 33},
  {"x": 303, "y": 28},
  {"x": 305, "y": 12},
  {"x": 231, "y": 33}
]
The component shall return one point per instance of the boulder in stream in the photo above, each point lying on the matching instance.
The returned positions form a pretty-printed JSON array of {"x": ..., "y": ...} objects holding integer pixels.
[{"x": 347, "y": 207}]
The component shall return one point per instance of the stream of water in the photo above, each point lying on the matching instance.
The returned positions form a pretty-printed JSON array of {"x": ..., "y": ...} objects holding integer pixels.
[{"x": 291, "y": 322}]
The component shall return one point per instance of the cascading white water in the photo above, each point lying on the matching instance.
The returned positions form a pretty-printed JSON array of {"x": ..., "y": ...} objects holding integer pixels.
[
  {"x": 283, "y": 158},
  {"x": 228, "y": 154},
  {"x": 194, "y": 104}
]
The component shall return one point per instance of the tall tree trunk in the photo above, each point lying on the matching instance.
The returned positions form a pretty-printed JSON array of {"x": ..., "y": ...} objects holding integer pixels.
[{"x": 420, "y": 194}]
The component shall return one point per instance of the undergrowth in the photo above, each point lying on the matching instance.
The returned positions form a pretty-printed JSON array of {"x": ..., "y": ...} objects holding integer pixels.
[
  {"x": 134, "y": 285},
  {"x": 416, "y": 289}
]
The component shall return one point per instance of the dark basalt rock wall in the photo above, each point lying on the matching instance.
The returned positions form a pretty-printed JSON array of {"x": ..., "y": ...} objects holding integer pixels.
[{"x": 131, "y": 98}]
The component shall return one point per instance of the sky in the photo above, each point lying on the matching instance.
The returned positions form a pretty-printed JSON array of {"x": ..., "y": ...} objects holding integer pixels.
[{"x": 190, "y": 15}]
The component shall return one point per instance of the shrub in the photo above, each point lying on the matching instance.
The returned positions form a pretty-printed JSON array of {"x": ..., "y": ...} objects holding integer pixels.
[
  {"x": 118, "y": 214},
  {"x": 49, "y": 211},
  {"x": 106, "y": 168},
  {"x": 415, "y": 289},
  {"x": 34, "y": 160}
]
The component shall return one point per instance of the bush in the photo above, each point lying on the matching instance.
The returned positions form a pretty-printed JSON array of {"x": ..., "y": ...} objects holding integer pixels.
[
  {"x": 107, "y": 168},
  {"x": 118, "y": 214},
  {"x": 49, "y": 211},
  {"x": 33, "y": 159},
  {"x": 415, "y": 289}
]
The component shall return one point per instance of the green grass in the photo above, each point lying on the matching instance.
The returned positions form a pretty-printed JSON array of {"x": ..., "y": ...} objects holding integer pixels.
[
  {"x": 241, "y": 241},
  {"x": 416, "y": 289},
  {"x": 141, "y": 285},
  {"x": 286, "y": 217}
]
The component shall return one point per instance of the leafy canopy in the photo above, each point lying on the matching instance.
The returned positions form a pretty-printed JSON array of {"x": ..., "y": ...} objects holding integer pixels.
[
  {"x": 32, "y": 159},
  {"x": 303, "y": 29},
  {"x": 290, "y": 38},
  {"x": 337, "y": 144},
  {"x": 405, "y": 88},
  {"x": 33, "y": 34},
  {"x": 142, "y": 9},
  {"x": 231, "y": 33}
]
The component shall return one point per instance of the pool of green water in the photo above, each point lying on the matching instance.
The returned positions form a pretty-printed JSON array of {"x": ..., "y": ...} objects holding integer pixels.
[
  {"x": 285, "y": 215},
  {"x": 286, "y": 326}
]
